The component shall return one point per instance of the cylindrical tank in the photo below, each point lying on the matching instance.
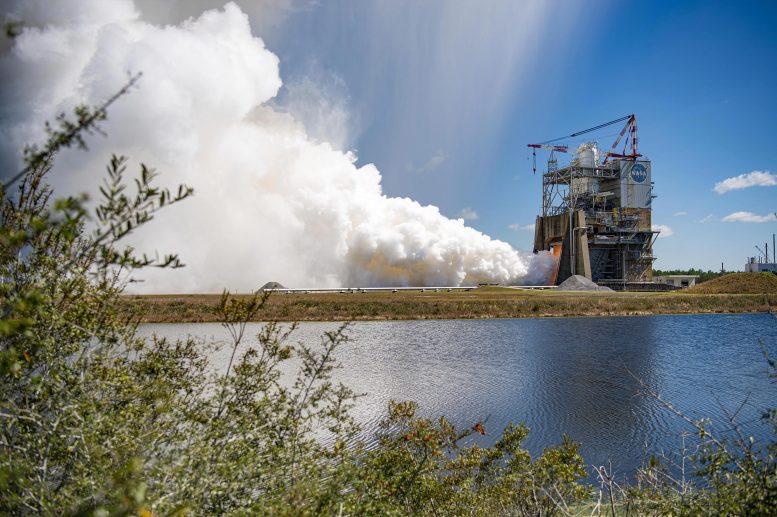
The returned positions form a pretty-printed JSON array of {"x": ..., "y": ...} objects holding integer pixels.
[
  {"x": 587, "y": 157},
  {"x": 588, "y": 154}
]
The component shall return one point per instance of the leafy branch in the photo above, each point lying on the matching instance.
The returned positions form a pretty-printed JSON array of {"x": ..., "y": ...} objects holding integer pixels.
[{"x": 69, "y": 132}]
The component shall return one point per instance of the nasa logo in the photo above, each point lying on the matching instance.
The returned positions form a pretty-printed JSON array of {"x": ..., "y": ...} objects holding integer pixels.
[{"x": 638, "y": 173}]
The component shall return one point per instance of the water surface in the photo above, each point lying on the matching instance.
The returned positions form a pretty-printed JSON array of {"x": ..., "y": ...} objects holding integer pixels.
[{"x": 574, "y": 376}]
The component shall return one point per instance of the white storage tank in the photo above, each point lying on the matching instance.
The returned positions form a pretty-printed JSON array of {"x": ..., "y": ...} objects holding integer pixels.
[{"x": 588, "y": 155}]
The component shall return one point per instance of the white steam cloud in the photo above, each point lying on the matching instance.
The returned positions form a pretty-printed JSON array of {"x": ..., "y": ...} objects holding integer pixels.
[{"x": 271, "y": 202}]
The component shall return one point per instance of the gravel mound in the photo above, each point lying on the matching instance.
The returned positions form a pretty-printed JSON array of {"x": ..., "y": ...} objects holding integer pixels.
[
  {"x": 272, "y": 285},
  {"x": 580, "y": 283}
]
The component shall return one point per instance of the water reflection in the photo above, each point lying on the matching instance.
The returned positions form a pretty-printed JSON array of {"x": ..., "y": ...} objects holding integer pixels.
[
  {"x": 589, "y": 388},
  {"x": 572, "y": 375}
]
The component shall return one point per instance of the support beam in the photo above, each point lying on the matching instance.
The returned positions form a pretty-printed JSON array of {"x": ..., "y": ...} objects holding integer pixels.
[{"x": 582, "y": 259}]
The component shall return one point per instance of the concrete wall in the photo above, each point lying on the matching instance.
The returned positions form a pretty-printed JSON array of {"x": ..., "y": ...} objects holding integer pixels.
[
  {"x": 677, "y": 280},
  {"x": 554, "y": 232}
]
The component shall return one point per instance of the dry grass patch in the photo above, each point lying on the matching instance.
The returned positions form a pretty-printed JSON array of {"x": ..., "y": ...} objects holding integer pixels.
[
  {"x": 738, "y": 283},
  {"x": 488, "y": 302}
]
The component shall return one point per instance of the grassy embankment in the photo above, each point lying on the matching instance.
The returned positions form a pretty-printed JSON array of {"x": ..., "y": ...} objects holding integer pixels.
[{"x": 730, "y": 294}]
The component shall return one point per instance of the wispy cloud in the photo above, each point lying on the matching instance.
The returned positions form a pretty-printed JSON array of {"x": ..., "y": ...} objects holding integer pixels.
[
  {"x": 431, "y": 164},
  {"x": 522, "y": 227},
  {"x": 749, "y": 217},
  {"x": 707, "y": 218},
  {"x": 751, "y": 179},
  {"x": 468, "y": 214},
  {"x": 680, "y": 213},
  {"x": 665, "y": 230}
]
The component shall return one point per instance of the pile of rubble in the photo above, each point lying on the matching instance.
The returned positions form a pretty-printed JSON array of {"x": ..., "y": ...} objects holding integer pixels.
[{"x": 580, "y": 283}]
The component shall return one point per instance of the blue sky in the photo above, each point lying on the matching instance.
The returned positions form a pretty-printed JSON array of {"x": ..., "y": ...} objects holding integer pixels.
[{"x": 444, "y": 96}]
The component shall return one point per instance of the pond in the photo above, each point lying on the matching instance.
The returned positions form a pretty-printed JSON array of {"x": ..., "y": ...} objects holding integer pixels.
[{"x": 576, "y": 376}]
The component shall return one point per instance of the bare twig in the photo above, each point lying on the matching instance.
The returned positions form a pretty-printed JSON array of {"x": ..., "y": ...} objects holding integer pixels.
[{"x": 696, "y": 424}]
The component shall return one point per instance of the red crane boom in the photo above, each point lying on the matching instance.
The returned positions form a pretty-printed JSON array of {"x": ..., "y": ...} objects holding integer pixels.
[{"x": 630, "y": 126}]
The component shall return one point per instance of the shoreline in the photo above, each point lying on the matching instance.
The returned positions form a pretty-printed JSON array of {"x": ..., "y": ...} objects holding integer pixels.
[{"x": 483, "y": 303}]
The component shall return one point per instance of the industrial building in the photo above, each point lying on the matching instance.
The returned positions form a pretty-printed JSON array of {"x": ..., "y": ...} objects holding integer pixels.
[
  {"x": 761, "y": 264},
  {"x": 678, "y": 281},
  {"x": 760, "y": 267},
  {"x": 596, "y": 211}
]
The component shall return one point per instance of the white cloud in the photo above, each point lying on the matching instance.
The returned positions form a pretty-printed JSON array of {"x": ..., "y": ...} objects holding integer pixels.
[
  {"x": 522, "y": 227},
  {"x": 665, "y": 230},
  {"x": 749, "y": 217},
  {"x": 751, "y": 179},
  {"x": 433, "y": 163},
  {"x": 680, "y": 213},
  {"x": 707, "y": 218},
  {"x": 468, "y": 214}
]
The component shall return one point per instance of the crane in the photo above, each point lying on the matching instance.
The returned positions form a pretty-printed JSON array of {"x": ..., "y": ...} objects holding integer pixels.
[
  {"x": 762, "y": 252},
  {"x": 551, "y": 148},
  {"x": 630, "y": 126}
]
